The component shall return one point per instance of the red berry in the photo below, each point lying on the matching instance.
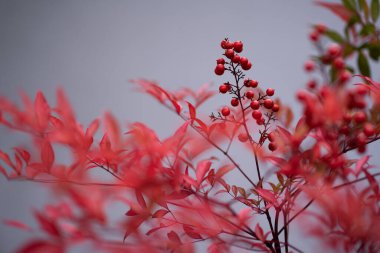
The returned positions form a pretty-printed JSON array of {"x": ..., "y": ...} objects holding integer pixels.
[
  {"x": 255, "y": 104},
  {"x": 311, "y": 84},
  {"x": 229, "y": 53},
  {"x": 314, "y": 36},
  {"x": 226, "y": 111},
  {"x": 309, "y": 66},
  {"x": 275, "y": 108},
  {"x": 223, "y": 44},
  {"x": 260, "y": 121},
  {"x": 344, "y": 76},
  {"x": 272, "y": 147},
  {"x": 334, "y": 50},
  {"x": 253, "y": 83},
  {"x": 369, "y": 129},
  {"x": 271, "y": 137},
  {"x": 236, "y": 59},
  {"x": 229, "y": 45},
  {"x": 243, "y": 137},
  {"x": 243, "y": 61},
  {"x": 238, "y": 46},
  {"x": 270, "y": 92},
  {"x": 360, "y": 117},
  {"x": 219, "y": 69},
  {"x": 249, "y": 94},
  {"x": 257, "y": 114},
  {"x": 247, "y": 66},
  {"x": 224, "y": 88},
  {"x": 234, "y": 102},
  {"x": 361, "y": 90},
  {"x": 220, "y": 61},
  {"x": 338, "y": 63},
  {"x": 246, "y": 82},
  {"x": 268, "y": 103},
  {"x": 321, "y": 28}
]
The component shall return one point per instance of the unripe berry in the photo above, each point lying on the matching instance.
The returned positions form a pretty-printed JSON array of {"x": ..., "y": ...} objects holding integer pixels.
[
  {"x": 247, "y": 66},
  {"x": 275, "y": 108},
  {"x": 238, "y": 46},
  {"x": 270, "y": 92},
  {"x": 243, "y": 61},
  {"x": 236, "y": 59},
  {"x": 255, "y": 104},
  {"x": 229, "y": 53},
  {"x": 369, "y": 129},
  {"x": 309, "y": 66},
  {"x": 234, "y": 102},
  {"x": 243, "y": 137},
  {"x": 268, "y": 103},
  {"x": 272, "y": 147},
  {"x": 219, "y": 69},
  {"x": 257, "y": 114},
  {"x": 249, "y": 94},
  {"x": 360, "y": 117},
  {"x": 224, "y": 88},
  {"x": 226, "y": 111},
  {"x": 220, "y": 61}
]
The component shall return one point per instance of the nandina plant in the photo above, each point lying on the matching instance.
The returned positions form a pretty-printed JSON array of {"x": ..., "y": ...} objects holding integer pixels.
[{"x": 176, "y": 191}]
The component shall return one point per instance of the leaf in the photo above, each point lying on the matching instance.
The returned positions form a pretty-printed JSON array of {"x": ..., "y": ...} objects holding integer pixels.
[
  {"x": 47, "y": 155},
  {"x": 39, "y": 246},
  {"x": 48, "y": 225},
  {"x": 201, "y": 170},
  {"x": 349, "y": 4},
  {"x": 338, "y": 9},
  {"x": 42, "y": 110},
  {"x": 192, "y": 111},
  {"x": 173, "y": 236},
  {"x": 374, "y": 51},
  {"x": 140, "y": 199},
  {"x": 364, "y": 6},
  {"x": 363, "y": 65},
  {"x": 191, "y": 233},
  {"x": 131, "y": 212},
  {"x": 259, "y": 232},
  {"x": 372, "y": 182},
  {"x": 155, "y": 229},
  {"x": 112, "y": 128},
  {"x": 17, "y": 224},
  {"x": 335, "y": 36},
  {"x": 268, "y": 196},
  {"x": 160, "y": 213},
  {"x": 375, "y": 10},
  {"x": 360, "y": 163}
]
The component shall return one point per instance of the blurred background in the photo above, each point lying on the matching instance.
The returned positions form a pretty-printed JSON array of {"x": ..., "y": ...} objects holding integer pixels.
[{"x": 93, "y": 48}]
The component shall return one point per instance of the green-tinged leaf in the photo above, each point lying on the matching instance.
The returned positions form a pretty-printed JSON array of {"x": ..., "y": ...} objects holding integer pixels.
[
  {"x": 348, "y": 50},
  {"x": 364, "y": 7},
  {"x": 367, "y": 30},
  {"x": 363, "y": 64},
  {"x": 374, "y": 51},
  {"x": 335, "y": 36},
  {"x": 333, "y": 74},
  {"x": 375, "y": 10},
  {"x": 349, "y": 4}
]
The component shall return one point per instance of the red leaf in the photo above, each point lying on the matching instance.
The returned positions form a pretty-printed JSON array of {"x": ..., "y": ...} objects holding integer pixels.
[
  {"x": 192, "y": 111},
  {"x": 39, "y": 246},
  {"x": 191, "y": 233},
  {"x": 259, "y": 232},
  {"x": 47, "y": 155},
  {"x": 112, "y": 129},
  {"x": 268, "y": 196},
  {"x": 360, "y": 163},
  {"x": 131, "y": 212},
  {"x": 160, "y": 213},
  {"x": 372, "y": 182},
  {"x": 337, "y": 9},
  {"x": 173, "y": 236},
  {"x": 47, "y": 225},
  {"x": 140, "y": 199},
  {"x": 17, "y": 224},
  {"x": 202, "y": 169},
  {"x": 42, "y": 110}
]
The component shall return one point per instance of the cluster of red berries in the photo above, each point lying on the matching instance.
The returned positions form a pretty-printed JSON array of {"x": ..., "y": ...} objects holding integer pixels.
[
  {"x": 318, "y": 30},
  {"x": 231, "y": 52},
  {"x": 257, "y": 99}
]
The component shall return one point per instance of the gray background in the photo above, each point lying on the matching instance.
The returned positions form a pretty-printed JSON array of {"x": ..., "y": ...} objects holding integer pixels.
[{"x": 92, "y": 49}]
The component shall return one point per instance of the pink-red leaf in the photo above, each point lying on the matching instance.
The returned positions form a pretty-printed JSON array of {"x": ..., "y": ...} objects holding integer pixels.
[
  {"x": 337, "y": 9},
  {"x": 160, "y": 213},
  {"x": 47, "y": 155},
  {"x": 17, "y": 224}
]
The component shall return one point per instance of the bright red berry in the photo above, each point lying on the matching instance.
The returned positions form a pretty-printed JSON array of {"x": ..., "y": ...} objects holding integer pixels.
[
  {"x": 257, "y": 114},
  {"x": 321, "y": 28},
  {"x": 275, "y": 108},
  {"x": 338, "y": 63},
  {"x": 243, "y": 61},
  {"x": 268, "y": 103},
  {"x": 369, "y": 129},
  {"x": 272, "y": 147},
  {"x": 229, "y": 53},
  {"x": 243, "y": 137},
  {"x": 238, "y": 46},
  {"x": 314, "y": 36},
  {"x": 309, "y": 66},
  {"x": 229, "y": 45},
  {"x": 344, "y": 76},
  {"x": 311, "y": 84},
  {"x": 219, "y": 69},
  {"x": 247, "y": 66},
  {"x": 236, "y": 59},
  {"x": 334, "y": 50},
  {"x": 260, "y": 121},
  {"x": 220, "y": 61},
  {"x": 271, "y": 137},
  {"x": 234, "y": 102},
  {"x": 224, "y": 88},
  {"x": 249, "y": 94},
  {"x": 253, "y": 83},
  {"x": 223, "y": 44},
  {"x": 255, "y": 104},
  {"x": 246, "y": 82},
  {"x": 360, "y": 117},
  {"x": 225, "y": 111},
  {"x": 270, "y": 92}
]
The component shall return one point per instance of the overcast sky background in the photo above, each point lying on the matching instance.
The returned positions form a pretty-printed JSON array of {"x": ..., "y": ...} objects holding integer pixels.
[{"x": 93, "y": 48}]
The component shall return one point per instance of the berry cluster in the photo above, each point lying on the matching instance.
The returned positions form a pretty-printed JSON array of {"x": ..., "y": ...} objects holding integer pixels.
[{"x": 246, "y": 94}]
